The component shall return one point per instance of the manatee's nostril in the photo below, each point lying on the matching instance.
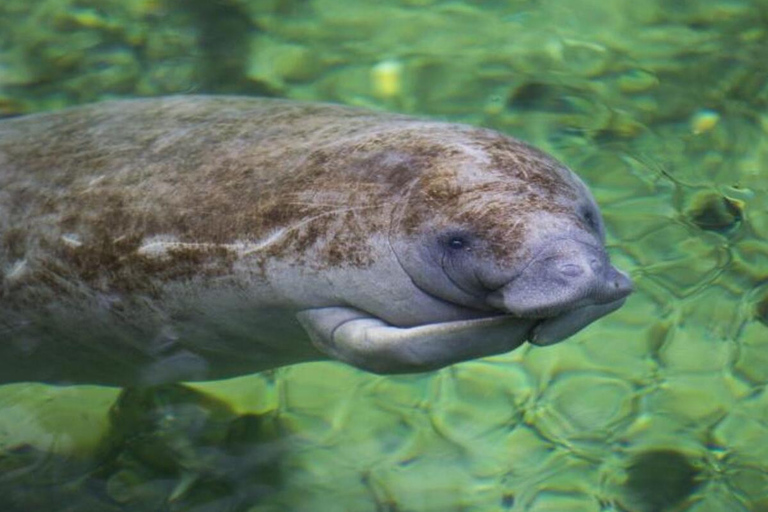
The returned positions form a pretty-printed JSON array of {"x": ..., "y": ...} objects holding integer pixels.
[{"x": 571, "y": 270}]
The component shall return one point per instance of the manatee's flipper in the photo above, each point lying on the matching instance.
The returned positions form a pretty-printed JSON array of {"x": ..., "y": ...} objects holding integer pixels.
[{"x": 369, "y": 343}]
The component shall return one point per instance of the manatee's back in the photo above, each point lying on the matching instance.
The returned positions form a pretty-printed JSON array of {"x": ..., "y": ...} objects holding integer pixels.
[
  {"x": 83, "y": 190},
  {"x": 82, "y": 187}
]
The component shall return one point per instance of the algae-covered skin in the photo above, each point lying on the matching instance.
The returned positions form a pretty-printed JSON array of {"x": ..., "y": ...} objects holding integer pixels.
[{"x": 196, "y": 238}]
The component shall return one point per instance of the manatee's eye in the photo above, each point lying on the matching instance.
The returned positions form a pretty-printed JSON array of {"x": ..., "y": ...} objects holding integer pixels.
[{"x": 456, "y": 242}]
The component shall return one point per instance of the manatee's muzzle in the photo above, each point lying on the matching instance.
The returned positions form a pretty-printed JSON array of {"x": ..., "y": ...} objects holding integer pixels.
[{"x": 568, "y": 274}]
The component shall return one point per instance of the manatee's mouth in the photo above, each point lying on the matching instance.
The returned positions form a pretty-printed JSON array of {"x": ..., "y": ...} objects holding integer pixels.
[{"x": 550, "y": 330}]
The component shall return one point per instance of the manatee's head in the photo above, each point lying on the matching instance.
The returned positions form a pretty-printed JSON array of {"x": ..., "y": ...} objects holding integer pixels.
[{"x": 501, "y": 227}]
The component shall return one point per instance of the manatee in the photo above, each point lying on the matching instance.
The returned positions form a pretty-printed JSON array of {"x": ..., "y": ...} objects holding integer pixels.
[{"x": 147, "y": 241}]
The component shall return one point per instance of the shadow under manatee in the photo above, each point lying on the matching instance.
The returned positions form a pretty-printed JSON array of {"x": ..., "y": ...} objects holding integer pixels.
[
  {"x": 174, "y": 448},
  {"x": 170, "y": 448}
]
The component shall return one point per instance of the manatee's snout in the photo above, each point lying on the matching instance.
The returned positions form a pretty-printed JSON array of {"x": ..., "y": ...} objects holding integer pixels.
[{"x": 566, "y": 275}]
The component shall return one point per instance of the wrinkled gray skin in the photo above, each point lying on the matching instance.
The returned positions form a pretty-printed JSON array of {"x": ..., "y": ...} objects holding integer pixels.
[{"x": 195, "y": 238}]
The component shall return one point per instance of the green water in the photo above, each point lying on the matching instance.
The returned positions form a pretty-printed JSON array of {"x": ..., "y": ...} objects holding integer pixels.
[{"x": 662, "y": 107}]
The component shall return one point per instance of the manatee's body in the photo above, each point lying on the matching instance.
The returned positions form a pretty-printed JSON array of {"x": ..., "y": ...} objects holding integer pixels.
[{"x": 194, "y": 238}]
